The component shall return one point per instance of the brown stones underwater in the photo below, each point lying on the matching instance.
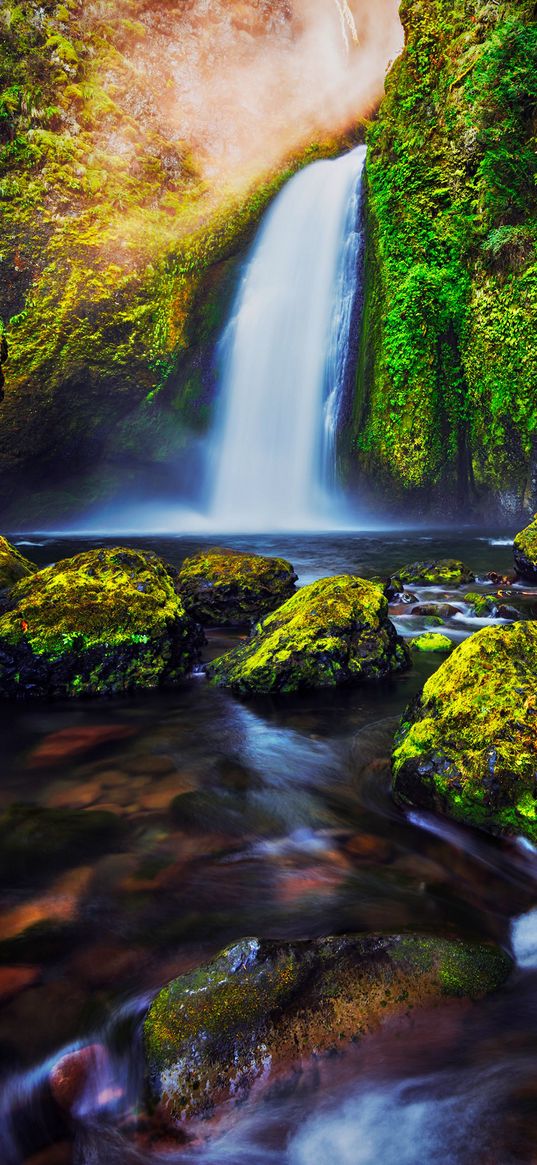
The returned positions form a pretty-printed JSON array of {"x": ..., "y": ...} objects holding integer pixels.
[
  {"x": 100, "y": 623},
  {"x": 262, "y": 1008},
  {"x": 229, "y": 588},
  {"x": 335, "y": 631},
  {"x": 467, "y": 747}
]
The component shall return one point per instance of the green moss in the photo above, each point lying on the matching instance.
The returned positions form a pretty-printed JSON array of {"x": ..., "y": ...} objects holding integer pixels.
[
  {"x": 447, "y": 572},
  {"x": 262, "y": 1007},
  {"x": 13, "y": 566},
  {"x": 468, "y": 747},
  {"x": 332, "y": 632},
  {"x": 430, "y": 641},
  {"x": 525, "y": 549},
  {"x": 446, "y": 409},
  {"x": 103, "y": 621},
  {"x": 229, "y": 587}
]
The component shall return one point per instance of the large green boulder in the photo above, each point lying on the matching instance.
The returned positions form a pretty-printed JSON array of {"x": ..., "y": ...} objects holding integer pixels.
[
  {"x": 13, "y": 566},
  {"x": 335, "y": 631},
  {"x": 447, "y": 572},
  {"x": 262, "y": 1007},
  {"x": 525, "y": 547},
  {"x": 102, "y": 622},
  {"x": 221, "y": 587},
  {"x": 467, "y": 747}
]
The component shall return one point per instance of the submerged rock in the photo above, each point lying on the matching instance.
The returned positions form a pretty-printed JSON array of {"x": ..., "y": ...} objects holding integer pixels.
[
  {"x": 447, "y": 572},
  {"x": 484, "y": 606},
  {"x": 431, "y": 641},
  {"x": 335, "y": 631},
  {"x": 525, "y": 549},
  {"x": 13, "y": 566},
  {"x": 220, "y": 587},
  {"x": 467, "y": 746},
  {"x": 263, "y": 1007},
  {"x": 102, "y": 622},
  {"x": 34, "y": 839}
]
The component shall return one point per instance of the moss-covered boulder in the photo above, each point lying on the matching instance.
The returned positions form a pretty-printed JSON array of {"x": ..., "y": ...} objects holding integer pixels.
[
  {"x": 525, "y": 549},
  {"x": 13, "y": 565},
  {"x": 335, "y": 631},
  {"x": 447, "y": 572},
  {"x": 220, "y": 587},
  {"x": 102, "y": 622},
  {"x": 261, "y": 1007},
  {"x": 431, "y": 641},
  {"x": 467, "y": 747}
]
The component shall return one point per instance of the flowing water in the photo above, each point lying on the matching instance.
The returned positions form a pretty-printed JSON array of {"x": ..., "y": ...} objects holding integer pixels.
[
  {"x": 285, "y": 357},
  {"x": 291, "y": 833}
]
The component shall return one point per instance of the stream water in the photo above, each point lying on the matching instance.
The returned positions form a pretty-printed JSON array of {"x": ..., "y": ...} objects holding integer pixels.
[{"x": 290, "y": 831}]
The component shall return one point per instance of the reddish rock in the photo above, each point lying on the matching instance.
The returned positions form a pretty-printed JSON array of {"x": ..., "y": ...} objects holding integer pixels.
[
  {"x": 62, "y": 746},
  {"x": 15, "y": 979},
  {"x": 69, "y": 1076}
]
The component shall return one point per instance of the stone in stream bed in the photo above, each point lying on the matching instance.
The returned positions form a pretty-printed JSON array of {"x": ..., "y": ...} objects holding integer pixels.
[
  {"x": 431, "y": 641},
  {"x": 261, "y": 1008},
  {"x": 227, "y": 587},
  {"x": 525, "y": 551},
  {"x": 13, "y": 566},
  {"x": 439, "y": 610},
  {"x": 33, "y": 839},
  {"x": 467, "y": 747},
  {"x": 490, "y": 606},
  {"x": 446, "y": 572},
  {"x": 100, "y": 623},
  {"x": 335, "y": 631}
]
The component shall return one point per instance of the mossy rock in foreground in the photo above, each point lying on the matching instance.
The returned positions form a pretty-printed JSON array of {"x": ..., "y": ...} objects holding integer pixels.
[
  {"x": 446, "y": 572},
  {"x": 525, "y": 548},
  {"x": 335, "y": 631},
  {"x": 261, "y": 1007},
  {"x": 431, "y": 641},
  {"x": 102, "y": 622},
  {"x": 467, "y": 747},
  {"x": 220, "y": 587},
  {"x": 13, "y": 566}
]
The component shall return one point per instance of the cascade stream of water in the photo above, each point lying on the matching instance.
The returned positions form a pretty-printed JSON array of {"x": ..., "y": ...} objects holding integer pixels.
[{"x": 285, "y": 357}]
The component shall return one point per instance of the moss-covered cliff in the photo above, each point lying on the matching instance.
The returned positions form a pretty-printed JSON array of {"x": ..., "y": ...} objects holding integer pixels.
[
  {"x": 446, "y": 403},
  {"x": 115, "y": 252}
]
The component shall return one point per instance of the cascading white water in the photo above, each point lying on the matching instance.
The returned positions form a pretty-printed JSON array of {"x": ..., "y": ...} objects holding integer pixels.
[{"x": 284, "y": 357}]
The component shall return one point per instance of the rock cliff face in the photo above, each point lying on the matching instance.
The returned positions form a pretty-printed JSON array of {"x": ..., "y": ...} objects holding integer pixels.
[
  {"x": 125, "y": 199},
  {"x": 446, "y": 402}
]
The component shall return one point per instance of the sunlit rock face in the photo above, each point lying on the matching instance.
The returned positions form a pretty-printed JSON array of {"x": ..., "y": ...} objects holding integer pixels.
[{"x": 139, "y": 145}]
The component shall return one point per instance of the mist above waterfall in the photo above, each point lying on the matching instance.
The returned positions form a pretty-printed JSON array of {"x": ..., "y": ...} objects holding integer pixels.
[{"x": 243, "y": 83}]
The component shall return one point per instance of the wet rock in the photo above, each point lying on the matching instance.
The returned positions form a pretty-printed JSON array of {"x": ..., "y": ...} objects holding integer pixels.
[
  {"x": 69, "y": 1076},
  {"x": 431, "y": 641},
  {"x": 506, "y": 611},
  {"x": 446, "y": 572},
  {"x": 335, "y": 631},
  {"x": 63, "y": 746},
  {"x": 16, "y": 979},
  {"x": 101, "y": 623},
  {"x": 525, "y": 551},
  {"x": 34, "y": 839},
  {"x": 482, "y": 605},
  {"x": 467, "y": 747},
  {"x": 13, "y": 566},
  {"x": 261, "y": 1008},
  {"x": 440, "y": 610},
  {"x": 220, "y": 587}
]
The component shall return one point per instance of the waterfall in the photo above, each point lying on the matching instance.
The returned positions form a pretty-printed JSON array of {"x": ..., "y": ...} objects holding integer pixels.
[{"x": 284, "y": 357}]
